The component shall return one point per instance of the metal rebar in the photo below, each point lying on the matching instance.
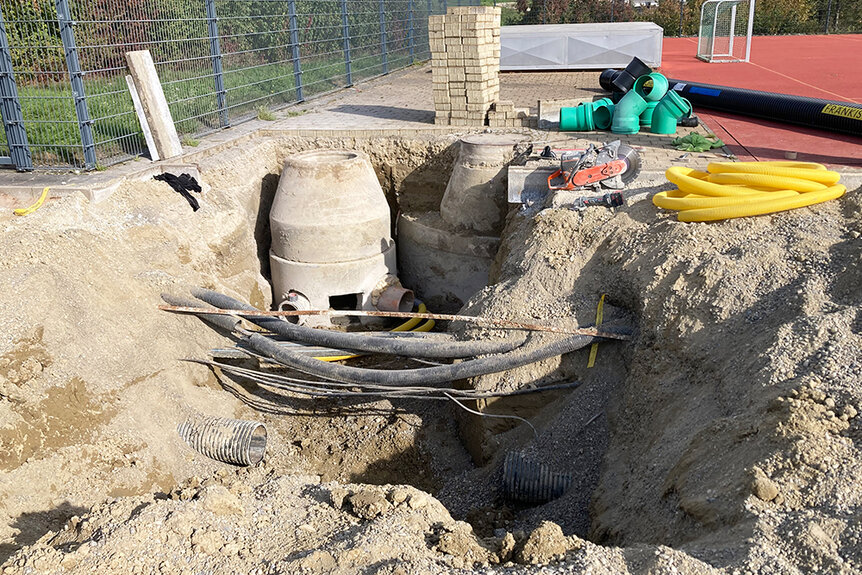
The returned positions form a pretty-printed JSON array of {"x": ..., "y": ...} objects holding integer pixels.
[{"x": 483, "y": 321}]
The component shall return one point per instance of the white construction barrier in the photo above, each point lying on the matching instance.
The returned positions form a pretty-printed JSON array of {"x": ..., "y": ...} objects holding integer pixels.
[{"x": 579, "y": 46}]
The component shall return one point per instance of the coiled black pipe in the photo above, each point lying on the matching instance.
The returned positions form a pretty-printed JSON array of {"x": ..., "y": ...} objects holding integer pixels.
[
  {"x": 422, "y": 376},
  {"x": 340, "y": 340},
  {"x": 844, "y": 117}
]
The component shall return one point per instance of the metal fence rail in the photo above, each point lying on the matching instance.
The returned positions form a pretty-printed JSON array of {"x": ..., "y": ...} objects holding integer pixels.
[{"x": 221, "y": 62}]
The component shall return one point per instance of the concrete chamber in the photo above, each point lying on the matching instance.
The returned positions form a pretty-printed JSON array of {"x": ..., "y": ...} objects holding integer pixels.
[
  {"x": 330, "y": 236},
  {"x": 445, "y": 256}
]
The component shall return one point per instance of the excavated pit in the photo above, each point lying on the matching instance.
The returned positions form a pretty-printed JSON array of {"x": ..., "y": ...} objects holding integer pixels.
[
  {"x": 438, "y": 447},
  {"x": 725, "y": 429}
]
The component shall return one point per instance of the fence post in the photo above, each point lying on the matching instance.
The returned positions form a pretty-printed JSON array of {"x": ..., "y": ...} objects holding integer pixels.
[
  {"x": 10, "y": 108},
  {"x": 294, "y": 46},
  {"x": 345, "y": 31},
  {"x": 76, "y": 78},
  {"x": 383, "y": 37},
  {"x": 215, "y": 54},
  {"x": 410, "y": 41},
  {"x": 828, "y": 16}
]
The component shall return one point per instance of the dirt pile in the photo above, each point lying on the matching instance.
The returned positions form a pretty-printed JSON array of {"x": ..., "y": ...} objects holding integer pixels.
[
  {"x": 724, "y": 436},
  {"x": 259, "y": 521},
  {"x": 732, "y": 418}
]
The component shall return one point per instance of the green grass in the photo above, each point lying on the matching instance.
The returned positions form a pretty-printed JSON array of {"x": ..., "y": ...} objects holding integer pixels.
[
  {"x": 264, "y": 114},
  {"x": 251, "y": 92}
]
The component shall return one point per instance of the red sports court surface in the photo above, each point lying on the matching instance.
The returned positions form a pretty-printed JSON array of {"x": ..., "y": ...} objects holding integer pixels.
[{"x": 828, "y": 67}]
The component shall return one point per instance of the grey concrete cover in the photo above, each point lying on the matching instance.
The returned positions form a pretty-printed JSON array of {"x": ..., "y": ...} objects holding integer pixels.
[{"x": 579, "y": 46}]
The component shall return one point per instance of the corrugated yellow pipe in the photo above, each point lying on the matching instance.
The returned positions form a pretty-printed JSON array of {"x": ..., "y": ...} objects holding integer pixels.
[
  {"x": 737, "y": 189},
  {"x": 691, "y": 202},
  {"x": 799, "y": 170},
  {"x": 776, "y": 182},
  {"x": 412, "y": 322},
  {"x": 688, "y": 181},
  {"x": 760, "y": 206}
]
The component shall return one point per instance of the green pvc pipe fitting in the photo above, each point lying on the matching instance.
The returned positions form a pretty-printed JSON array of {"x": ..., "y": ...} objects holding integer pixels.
[
  {"x": 627, "y": 113},
  {"x": 669, "y": 109},
  {"x": 577, "y": 119},
  {"x": 651, "y": 87},
  {"x": 646, "y": 115},
  {"x": 603, "y": 113}
]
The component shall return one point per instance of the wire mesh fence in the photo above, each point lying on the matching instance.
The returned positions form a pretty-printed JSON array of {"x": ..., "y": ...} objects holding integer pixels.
[{"x": 221, "y": 62}]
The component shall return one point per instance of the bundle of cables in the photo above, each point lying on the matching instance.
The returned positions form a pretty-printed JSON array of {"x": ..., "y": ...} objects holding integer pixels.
[
  {"x": 736, "y": 189},
  {"x": 409, "y": 325}
]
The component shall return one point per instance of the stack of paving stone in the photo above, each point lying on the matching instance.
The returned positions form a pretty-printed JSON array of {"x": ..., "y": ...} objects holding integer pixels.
[
  {"x": 504, "y": 114},
  {"x": 465, "y": 60}
]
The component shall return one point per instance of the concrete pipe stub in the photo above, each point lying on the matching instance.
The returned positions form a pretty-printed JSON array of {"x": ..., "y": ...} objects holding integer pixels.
[
  {"x": 475, "y": 198},
  {"x": 329, "y": 207}
]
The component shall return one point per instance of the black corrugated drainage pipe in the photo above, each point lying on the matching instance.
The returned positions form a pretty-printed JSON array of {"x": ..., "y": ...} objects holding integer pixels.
[{"x": 845, "y": 117}]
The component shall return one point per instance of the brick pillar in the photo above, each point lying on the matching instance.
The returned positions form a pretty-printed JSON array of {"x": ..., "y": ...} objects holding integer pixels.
[{"x": 465, "y": 60}]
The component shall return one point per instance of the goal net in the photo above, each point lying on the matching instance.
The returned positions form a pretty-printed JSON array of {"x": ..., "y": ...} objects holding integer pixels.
[{"x": 725, "y": 30}]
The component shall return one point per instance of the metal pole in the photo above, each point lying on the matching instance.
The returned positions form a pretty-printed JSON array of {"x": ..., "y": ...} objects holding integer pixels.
[
  {"x": 10, "y": 109},
  {"x": 383, "y": 37},
  {"x": 76, "y": 78},
  {"x": 215, "y": 53},
  {"x": 828, "y": 15},
  {"x": 749, "y": 30},
  {"x": 410, "y": 45},
  {"x": 681, "y": 11},
  {"x": 294, "y": 48},
  {"x": 345, "y": 32}
]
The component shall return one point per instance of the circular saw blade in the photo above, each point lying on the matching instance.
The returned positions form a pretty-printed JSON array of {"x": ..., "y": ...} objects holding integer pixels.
[{"x": 633, "y": 163}]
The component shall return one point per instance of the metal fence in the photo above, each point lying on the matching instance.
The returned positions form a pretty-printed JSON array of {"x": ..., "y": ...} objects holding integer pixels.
[{"x": 63, "y": 94}]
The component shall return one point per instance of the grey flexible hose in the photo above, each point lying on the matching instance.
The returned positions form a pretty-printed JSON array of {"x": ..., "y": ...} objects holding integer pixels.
[
  {"x": 422, "y": 376},
  {"x": 406, "y": 347}
]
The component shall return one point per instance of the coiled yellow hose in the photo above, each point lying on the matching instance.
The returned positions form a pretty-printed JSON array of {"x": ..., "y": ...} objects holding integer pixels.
[
  {"x": 691, "y": 202},
  {"x": 798, "y": 170},
  {"x": 776, "y": 182},
  {"x": 758, "y": 207},
  {"x": 737, "y": 189}
]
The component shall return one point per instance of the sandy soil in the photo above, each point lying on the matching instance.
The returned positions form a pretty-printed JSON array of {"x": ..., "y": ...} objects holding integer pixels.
[{"x": 723, "y": 438}]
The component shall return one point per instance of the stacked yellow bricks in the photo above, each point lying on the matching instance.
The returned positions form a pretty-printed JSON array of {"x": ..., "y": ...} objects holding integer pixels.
[{"x": 465, "y": 60}]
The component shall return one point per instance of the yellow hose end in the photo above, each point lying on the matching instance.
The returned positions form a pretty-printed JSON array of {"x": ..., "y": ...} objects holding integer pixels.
[
  {"x": 35, "y": 206},
  {"x": 329, "y": 358}
]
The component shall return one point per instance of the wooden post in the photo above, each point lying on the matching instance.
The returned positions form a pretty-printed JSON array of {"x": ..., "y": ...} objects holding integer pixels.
[{"x": 155, "y": 106}]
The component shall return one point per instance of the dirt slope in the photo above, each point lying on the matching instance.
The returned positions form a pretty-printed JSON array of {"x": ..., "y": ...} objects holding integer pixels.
[{"x": 728, "y": 436}]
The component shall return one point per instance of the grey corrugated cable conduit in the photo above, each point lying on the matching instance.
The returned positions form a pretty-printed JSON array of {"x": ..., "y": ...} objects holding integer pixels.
[
  {"x": 451, "y": 349},
  {"x": 397, "y": 377}
]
